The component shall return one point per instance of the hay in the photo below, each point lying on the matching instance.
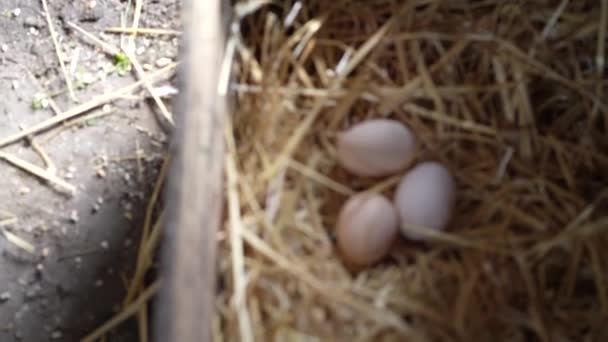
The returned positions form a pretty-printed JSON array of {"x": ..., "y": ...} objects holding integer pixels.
[{"x": 509, "y": 95}]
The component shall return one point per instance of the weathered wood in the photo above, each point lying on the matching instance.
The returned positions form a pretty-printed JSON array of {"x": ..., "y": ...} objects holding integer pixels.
[{"x": 195, "y": 188}]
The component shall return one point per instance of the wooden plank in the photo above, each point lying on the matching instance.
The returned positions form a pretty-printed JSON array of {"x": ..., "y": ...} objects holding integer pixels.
[{"x": 195, "y": 191}]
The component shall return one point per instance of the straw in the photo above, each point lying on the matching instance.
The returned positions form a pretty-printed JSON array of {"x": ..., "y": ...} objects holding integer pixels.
[
  {"x": 124, "y": 314},
  {"x": 82, "y": 108},
  {"x": 143, "y": 30},
  {"x": 39, "y": 172},
  {"x": 508, "y": 96},
  {"x": 66, "y": 75}
]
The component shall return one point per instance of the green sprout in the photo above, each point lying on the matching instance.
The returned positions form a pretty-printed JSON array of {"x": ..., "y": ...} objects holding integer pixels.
[
  {"x": 122, "y": 64},
  {"x": 39, "y": 101},
  {"x": 91, "y": 122}
]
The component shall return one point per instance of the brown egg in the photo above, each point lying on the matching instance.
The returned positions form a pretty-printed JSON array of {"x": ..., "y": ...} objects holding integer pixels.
[
  {"x": 367, "y": 227},
  {"x": 377, "y": 147}
]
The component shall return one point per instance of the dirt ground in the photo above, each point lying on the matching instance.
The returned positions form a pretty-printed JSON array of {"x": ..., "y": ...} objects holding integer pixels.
[{"x": 75, "y": 279}]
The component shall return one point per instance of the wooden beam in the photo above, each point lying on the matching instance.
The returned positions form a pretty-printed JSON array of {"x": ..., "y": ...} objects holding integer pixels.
[{"x": 195, "y": 188}]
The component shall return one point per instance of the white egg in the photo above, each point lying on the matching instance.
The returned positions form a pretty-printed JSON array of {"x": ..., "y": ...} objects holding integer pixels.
[
  {"x": 376, "y": 148},
  {"x": 367, "y": 228},
  {"x": 424, "y": 199}
]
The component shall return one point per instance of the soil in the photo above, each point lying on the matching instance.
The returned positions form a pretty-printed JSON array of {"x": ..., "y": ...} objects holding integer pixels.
[{"x": 75, "y": 279}]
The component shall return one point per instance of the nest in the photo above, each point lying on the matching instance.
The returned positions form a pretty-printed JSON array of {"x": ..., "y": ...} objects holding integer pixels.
[{"x": 509, "y": 95}]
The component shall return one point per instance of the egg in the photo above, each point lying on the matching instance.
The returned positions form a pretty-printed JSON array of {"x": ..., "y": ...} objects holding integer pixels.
[
  {"x": 375, "y": 148},
  {"x": 424, "y": 198},
  {"x": 366, "y": 229}
]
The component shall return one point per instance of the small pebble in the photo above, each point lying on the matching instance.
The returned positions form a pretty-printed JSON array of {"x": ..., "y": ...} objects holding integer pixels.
[
  {"x": 56, "y": 335},
  {"x": 98, "y": 283},
  {"x": 95, "y": 208},
  {"x": 78, "y": 260},
  {"x": 140, "y": 50},
  {"x": 101, "y": 173},
  {"x": 16, "y": 12},
  {"x": 104, "y": 244},
  {"x": 4, "y": 296},
  {"x": 166, "y": 91},
  {"x": 163, "y": 62},
  {"x": 23, "y": 281},
  {"x": 4, "y": 47},
  {"x": 46, "y": 252},
  {"x": 74, "y": 216},
  {"x": 87, "y": 78},
  {"x": 32, "y": 21}
]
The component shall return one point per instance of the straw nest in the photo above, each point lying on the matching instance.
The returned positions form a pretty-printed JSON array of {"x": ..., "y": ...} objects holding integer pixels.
[{"x": 508, "y": 94}]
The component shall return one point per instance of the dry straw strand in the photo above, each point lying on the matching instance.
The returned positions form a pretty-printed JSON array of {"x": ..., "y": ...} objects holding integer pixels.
[
  {"x": 143, "y": 30},
  {"x": 82, "y": 108},
  {"x": 306, "y": 124},
  {"x": 108, "y": 48},
  {"x": 236, "y": 241},
  {"x": 38, "y": 172},
  {"x": 148, "y": 85},
  {"x": 66, "y": 75},
  {"x": 127, "y": 312}
]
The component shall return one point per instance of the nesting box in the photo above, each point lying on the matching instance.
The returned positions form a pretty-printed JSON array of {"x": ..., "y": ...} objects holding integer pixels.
[{"x": 508, "y": 96}]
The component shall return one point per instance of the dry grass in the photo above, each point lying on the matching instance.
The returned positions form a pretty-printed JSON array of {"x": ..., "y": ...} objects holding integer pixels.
[{"x": 510, "y": 95}]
